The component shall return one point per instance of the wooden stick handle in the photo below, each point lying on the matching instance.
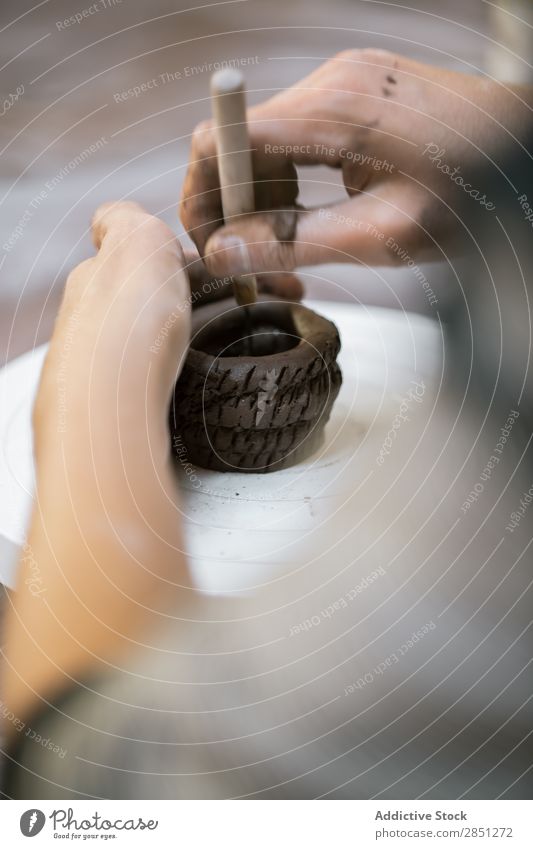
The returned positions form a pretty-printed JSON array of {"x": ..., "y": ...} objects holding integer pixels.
[{"x": 234, "y": 160}]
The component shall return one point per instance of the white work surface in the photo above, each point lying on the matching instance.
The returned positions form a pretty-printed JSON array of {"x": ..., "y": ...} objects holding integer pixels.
[{"x": 230, "y": 517}]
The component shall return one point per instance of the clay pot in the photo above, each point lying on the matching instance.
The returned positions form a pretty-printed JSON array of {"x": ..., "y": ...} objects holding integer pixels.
[{"x": 256, "y": 390}]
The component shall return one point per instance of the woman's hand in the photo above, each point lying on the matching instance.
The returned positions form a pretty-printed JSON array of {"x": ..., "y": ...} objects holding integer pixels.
[
  {"x": 115, "y": 305},
  {"x": 104, "y": 558},
  {"x": 395, "y": 127}
]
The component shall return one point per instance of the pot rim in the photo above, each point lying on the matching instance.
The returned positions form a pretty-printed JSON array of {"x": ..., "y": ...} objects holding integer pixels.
[{"x": 312, "y": 328}]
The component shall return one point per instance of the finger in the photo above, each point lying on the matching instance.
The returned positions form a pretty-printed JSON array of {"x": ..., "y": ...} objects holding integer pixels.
[
  {"x": 116, "y": 216},
  {"x": 363, "y": 229},
  {"x": 76, "y": 284}
]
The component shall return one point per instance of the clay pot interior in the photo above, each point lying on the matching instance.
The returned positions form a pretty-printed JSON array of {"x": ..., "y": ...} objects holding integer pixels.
[{"x": 259, "y": 330}]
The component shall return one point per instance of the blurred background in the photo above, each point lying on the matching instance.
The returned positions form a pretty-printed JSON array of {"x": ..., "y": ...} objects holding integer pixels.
[{"x": 72, "y": 135}]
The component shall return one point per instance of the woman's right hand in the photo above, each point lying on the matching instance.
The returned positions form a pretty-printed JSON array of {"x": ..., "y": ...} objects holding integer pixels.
[{"x": 396, "y": 128}]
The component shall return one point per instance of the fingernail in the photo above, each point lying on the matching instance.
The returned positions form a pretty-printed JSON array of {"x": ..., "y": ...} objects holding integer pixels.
[{"x": 231, "y": 252}]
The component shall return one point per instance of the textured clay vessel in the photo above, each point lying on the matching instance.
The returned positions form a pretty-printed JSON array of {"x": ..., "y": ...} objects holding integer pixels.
[{"x": 256, "y": 390}]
